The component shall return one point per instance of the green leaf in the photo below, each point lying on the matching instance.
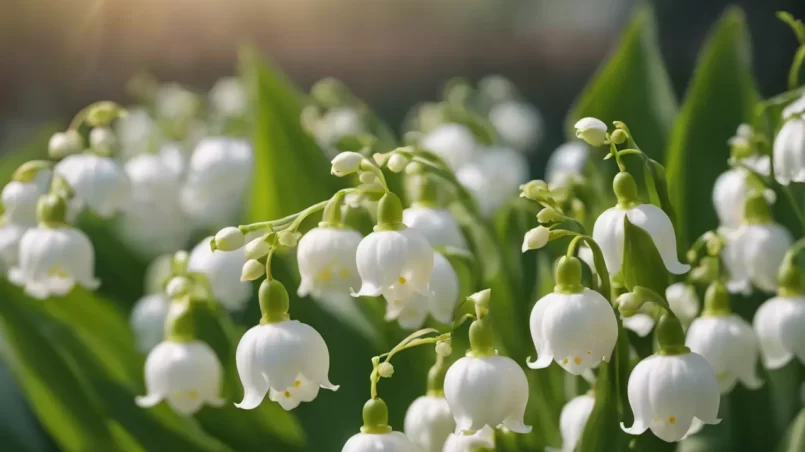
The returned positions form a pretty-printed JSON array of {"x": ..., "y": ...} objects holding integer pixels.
[
  {"x": 795, "y": 437},
  {"x": 632, "y": 86},
  {"x": 19, "y": 428},
  {"x": 642, "y": 264},
  {"x": 721, "y": 95},
  {"x": 290, "y": 171}
]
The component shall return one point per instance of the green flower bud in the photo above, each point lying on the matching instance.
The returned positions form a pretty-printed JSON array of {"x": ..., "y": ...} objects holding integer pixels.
[
  {"x": 257, "y": 248},
  {"x": 481, "y": 298},
  {"x": 51, "y": 210},
  {"x": 629, "y": 304},
  {"x": 397, "y": 163},
  {"x": 534, "y": 190},
  {"x": 101, "y": 114},
  {"x": 228, "y": 239},
  {"x": 385, "y": 370},
  {"x": 367, "y": 178},
  {"x": 289, "y": 238},
  {"x": 619, "y": 136},
  {"x": 252, "y": 270},
  {"x": 28, "y": 171},
  {"x": 549, "y": 215},
  {"x": 62, "y": 144},
  {"x": 444, "y": 349}
]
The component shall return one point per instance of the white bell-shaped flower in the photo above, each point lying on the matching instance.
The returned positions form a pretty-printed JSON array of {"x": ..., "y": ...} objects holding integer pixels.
[
  {"x": 672, "y": 395},
  {"x": 487, "y": 391},
  {"x": 566, "y": 165},
  {"x": 187, "y": 375},
  {"x": 609, "y": 229},
  {"x": 338, "y": 123},
  {"x": 135, "y": 132},
  {"x": 218, "y": 175},
  {"x": 379, "y": 442},
  {"x": 439, "y": 226},
  {"x": 753, "y": 255},
  {"x": 399, "y": 260},
  {"x": 573, "y": 325},
  {"x": 175, "y": 102},
  {"x": 428, "y": 422},
  {"x": 591, "y": 130},
  {"x": 228, "y": 98},
  {"x": 789, "y": 151},
  {"x": 641, "y": 323},
  {"x": 20, "y": 199},
  {"x": 411, "y": 308},
  {"x": 573, "y": 419},
  {"x": 518, "y": 124},
  {"x": 100, "y": 183},
  {"x": 148, "y": 320},
  {"x": 454, "y": 143},
  {"x": 327, "y": 265},
  {"x": 729, "y": 344},
  {"x": 780, "y": 327},
  {"x": 481, "y": 441},
  {"x": 683, "y": 301},
  {"x": 10, "y": 236},
  {"x": 729, "y": 196},
  {"x": 287, "y": 360},
  {"x": 494, "y": 177},
  {"x": 52, "y": 260},
  {"x": 223, "y": 269}
]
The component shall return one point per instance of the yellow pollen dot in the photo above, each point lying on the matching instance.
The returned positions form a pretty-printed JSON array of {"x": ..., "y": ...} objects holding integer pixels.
[
  {"x": 192, "y": 394},
  {"x": 344, "y": 273},
  {"x": 564, "y": 361},
  {"x": 287, "y": 394},
  {"x": 672, "y": 420},
  {"x": 589, "y": 352},
  {"x": 577, "y": 360},
  {"x": 297, "y": 383},
  {"x": 57, "y": 272},
  {"x": 401, "y": 280},
  {"x": 325, "y": 274}
]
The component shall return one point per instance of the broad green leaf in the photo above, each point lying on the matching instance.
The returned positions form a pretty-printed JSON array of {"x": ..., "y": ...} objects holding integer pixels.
[
  {"x": 642, "y": 264},
  {"x": 721, "y": 95},
  {"x": 19, "y": 428},
  {"x": 794, "y": 440},
  {"x": 632, "y": 86},
  {"x": 290, "y": 171}
]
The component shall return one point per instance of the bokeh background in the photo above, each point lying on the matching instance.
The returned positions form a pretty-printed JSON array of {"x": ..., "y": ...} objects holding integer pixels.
[{"x": 57, "y": 56}]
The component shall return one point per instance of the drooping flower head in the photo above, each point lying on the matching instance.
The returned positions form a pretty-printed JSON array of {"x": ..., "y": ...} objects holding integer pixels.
[
  {"x": 573, "y": 419},
  {"x": 789, "y": 148},
  {"x": 327, "y": 262},
  {"x": 100, "y": 183},
  {"x": 411, "y": 308},
  {"x": 780, "y": 327},
  {"x": 222, "y": 269},
  {"x": 493, "y": 177},
  {"x": 519, "y": 124},
  {"x": 454, "y": 143},
  {"x": 566, "y": 164},
  {"x": 439, "y": 226}
]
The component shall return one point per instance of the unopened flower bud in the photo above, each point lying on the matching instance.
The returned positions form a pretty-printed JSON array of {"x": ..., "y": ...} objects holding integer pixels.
[
  {"x": 252, "y": 270},
  {"x": 380, "y": 158},
  {"x": 549, "y": 215},
  {"x": 367, "y": 178},
  {"x": 228, "y": 239},
  {"x": 102, "y": 113},
  {"x": 62, "y": 144},
  {"x": 397, "y": 163},
  {"x": 444, "y": 349},
  {"x": 536, "y": 238},
  {"x": 619, "y": 136},
  {"x": 481, "y": 298},
  {"x": 628, "y": 304},
  {"x": 385, "y": 370},
  {"x": 534, "y": 189},
  {"x": 102, "y": 139},
  {"x": 592, "y": 130},
  {"x": 178, "y": 286},
  {"x": 289, "y": 238},
  {"x": 256, "y": 248},
  {"x": 346, "y": 163}
]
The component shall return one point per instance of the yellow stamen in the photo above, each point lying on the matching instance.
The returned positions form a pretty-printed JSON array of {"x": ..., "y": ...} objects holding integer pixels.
[
  {"x": 564, "y": 361},
  {"x": 344, "y": 273},
  {"x": 401, "y": 280},
  {"x": 325, "y": 274},
  {"x": 589, "y": 352},
  {"x": 577, "y": 360},
  {"x": 287, "y": 394},
  {"x": 297, "y": 383},
  {"x": 57, "y": 272},
  {"x": 192, "y": 394},
  {"x": 672, "y": 420}
]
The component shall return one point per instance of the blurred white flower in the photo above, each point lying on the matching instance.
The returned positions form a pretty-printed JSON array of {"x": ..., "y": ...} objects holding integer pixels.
[
  {"x": 400, "y": 260},
  {"x": 673, "y": 395},
  {"x": 780, "y": 327},
  {"x": 729, "y": 196},
  {"x": 148, "y": 320},
  {"x": 573, "y": 419},
  {"x": 487, "y": 391},
  {"x": 481, "y": 441},
  {"x": 578, "y": 330},
  {"x": 439, "y": 226},
  {"x": 729, "y": 344},
  {"x": 100, "y": 183},
  {"x": 753, "y": 255},
  {"x": 566, "y": 164},
  {"x": 494, "y": 177},
  {"x": 187, "y": 375},
  {"x": 288, "y": 360},
  {"x": 135, "y": 132},
  {"x": 519, "y": 124},
  {"x": 591, "y": 130},
  {"x": 228, "y": 97},
  {"x": 683, "y": 301},
  {"x": 454, "y": 143},
  {"x": 173, "y": 102},
  {"x": 379, "y": 442},
  {"x": 223, "y": 269},
  {"x": 428, "y": 422},
  {"x": 411, "y": 308},
  {"x": 52, "y": 260},
  {"x": 789, "y": 152},
  {"x": 20, "y": 199},
  {"x": 609, "y": 233},
  {"x": 338, "y": 123}
]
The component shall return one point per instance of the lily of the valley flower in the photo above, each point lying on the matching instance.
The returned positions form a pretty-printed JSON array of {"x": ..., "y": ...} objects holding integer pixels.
[
  {"x": 729, "y": 196},
  {"x": 428, "y": 422},
  {"x": 789, "y": 151},
  {"x": 410, "y": 308},
  {"x": 454, "y": 143},
  {"x": 518, "y": 124},
  {"x": 286, "y": 359},
  {"x": 566, "y": 164},
  {"x": 100, "y": 183},
  {"x": 228, "y": 98},
  {"x": 481, "y": 441},
  {"x": 780, "y": 327},
  {"x": 683, "y": 301},
  {"x": 536, "y": 238},
  {"x": 327, "y": 266},
  {"x": 487, "y": 391},
  {"x": 379, "y": 442},
  {"x": 399, "y": 260},
  {"x": 573, "y": 419},
  {"x": 185, "y": 374},
  {"x": 439, "y": 226},
  {"x": 338, "y": 123},
  {"x": 591, "y": 130},
  {"x": 609, "y": 227},
  {"x": 223, "y": 269},
  {"x": 493, "y": 177},
  {"x": 148, "y": 320},
  {"x": 574, "y": 325}
]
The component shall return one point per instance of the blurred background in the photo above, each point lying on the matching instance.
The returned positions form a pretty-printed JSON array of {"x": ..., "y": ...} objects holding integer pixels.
[{"x": 60, "y": 55}]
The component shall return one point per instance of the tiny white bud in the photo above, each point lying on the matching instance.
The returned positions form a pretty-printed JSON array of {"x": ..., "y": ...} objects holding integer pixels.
[
  {"x": 481, "y": 298},
  {"x": 385, "y": 370},
  {"x": 256, "y": 248},
  {"x": 177, "y": 287},
  {"x": 549, "y": 215},
  {"x": 534, "y": 189},
  {"x": 536, "y": 238},
  {"x": 591, "y": 130},
  {"x": 397, "y": 163},
  {"x": 289, "y": 238},
  {"x": 229, "y": 239},
  {"x": 367, "y": 178},
  {"x": 346, "y": 163},
  {"x": 444, "y": 349},
  {"x": 62, "y": 144},
  {"x": 102, "y": 138},
  {"x": 252, "y": 270}
]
